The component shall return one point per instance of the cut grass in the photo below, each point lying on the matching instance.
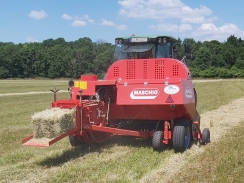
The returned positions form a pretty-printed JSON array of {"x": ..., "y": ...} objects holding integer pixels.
[
  {"x": 222, "y": 161},
  {"x": 19, "y": 86},
  {"x": 118, "y": 160},
  {"x": 211, "y": 95}
]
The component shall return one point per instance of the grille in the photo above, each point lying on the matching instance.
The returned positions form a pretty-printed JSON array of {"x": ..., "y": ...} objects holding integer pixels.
[
  {"x": 144, "y": 69},
  {"x": 175, "y": 70},
  {"x": 159, "y": 69},
  {"x": 116, "y": 71},
  {"x": 131, "y": 65}
]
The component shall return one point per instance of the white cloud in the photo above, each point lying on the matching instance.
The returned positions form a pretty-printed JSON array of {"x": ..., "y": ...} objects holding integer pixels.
[
  {"x": 193, "y": 20},
  {"x": 112, "y": 24},
  {"x": 161, "y": 9},
  {"x": 31, "y": 40},
  {"x": 37, "y": 15},
  {"x": 106, "y": 22},
  {"x": 78, "y": 23},
  {"x": 209, "y": 31},
  {"x": 66, "y": 17},
  {"x": 91, "y": 21},
  {"x": 88, "y": 19}
]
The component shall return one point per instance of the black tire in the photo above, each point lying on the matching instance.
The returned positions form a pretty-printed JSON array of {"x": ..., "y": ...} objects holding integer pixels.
[
  {"x": 182, "y": 136},
  {"x": 157, "y": 141},
  {"x": 195, "y": 93},
  {"x": 205, "y": 136},
  {"x": 74, "y": 141}
]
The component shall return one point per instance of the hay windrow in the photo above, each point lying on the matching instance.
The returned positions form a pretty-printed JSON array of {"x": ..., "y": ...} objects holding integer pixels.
[
  {"x": 53, "y": 122},
  {"x": 222, "y": 119}
]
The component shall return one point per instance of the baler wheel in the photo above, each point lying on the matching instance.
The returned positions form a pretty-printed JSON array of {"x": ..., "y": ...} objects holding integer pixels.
[
  {"x": 205, "y": 136},
  {"x": 157, "y": 141},
  {"x": 182, "y": 136},
  {"x": 74, "y": 141}
]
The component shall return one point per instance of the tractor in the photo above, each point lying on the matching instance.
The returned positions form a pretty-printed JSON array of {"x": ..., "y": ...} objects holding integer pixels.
[{"x": 147, "y": 92}]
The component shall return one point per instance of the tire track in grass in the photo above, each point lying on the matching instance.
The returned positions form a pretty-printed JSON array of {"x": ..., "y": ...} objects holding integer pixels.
[{"x": 219, "y": 121}]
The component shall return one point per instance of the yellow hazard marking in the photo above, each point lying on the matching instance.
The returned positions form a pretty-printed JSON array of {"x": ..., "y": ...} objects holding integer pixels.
[
  {"x": 80, "y": 84},
  {"x": 83, "y": 85},
  {"x": 77, "y": 84}
]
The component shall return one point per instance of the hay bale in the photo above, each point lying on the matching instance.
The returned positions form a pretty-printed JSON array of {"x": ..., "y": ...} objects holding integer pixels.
[{"x": 52, "y": 122}]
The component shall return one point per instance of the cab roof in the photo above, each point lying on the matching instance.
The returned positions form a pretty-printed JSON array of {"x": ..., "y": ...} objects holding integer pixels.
[{"x": 171, "y": 38}]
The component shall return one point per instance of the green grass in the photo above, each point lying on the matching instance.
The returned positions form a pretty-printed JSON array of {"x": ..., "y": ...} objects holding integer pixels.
[
  {"x": 19, "y": 86},
  {"x": 118, "y": 160},
  {"x": 211, "y": 95}
]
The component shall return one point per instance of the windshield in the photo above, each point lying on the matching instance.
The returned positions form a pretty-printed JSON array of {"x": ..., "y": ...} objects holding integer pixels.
[
  {"x": 118, "y": 55},
  {"x": 164, "y": 50},
  {"x": 142, "y": 50}
]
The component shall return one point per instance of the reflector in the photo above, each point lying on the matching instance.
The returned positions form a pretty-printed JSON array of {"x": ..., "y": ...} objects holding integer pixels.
[{"x": 169, "y": 99}]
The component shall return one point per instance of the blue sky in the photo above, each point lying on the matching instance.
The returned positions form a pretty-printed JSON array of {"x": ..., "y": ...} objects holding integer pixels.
[{"x": 38, "y": 20}]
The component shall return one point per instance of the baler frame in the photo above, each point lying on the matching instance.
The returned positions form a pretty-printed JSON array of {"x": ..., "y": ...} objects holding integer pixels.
[{"x": 156, "y": 94}]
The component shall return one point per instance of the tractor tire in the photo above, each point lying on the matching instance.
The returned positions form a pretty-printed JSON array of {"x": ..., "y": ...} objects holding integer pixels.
[
  {"x": 195, "y": 94},
  {"x": 182, "y": 136},
  {"x": 205, "y": 136},
  {"x": 74, "y": 141},
  {"x": 157, "y": 141}
]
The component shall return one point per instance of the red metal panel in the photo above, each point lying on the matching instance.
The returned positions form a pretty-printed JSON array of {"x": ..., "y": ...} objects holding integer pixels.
[
  {"x": 147, "y": 112},
  {"x": 162, "y": 68},
  {"x": 88, "y": 77},
  {"x": 90, "y": 91},
  {"x": 65, "y": 103},
  {"x": 147, "y": 93}
]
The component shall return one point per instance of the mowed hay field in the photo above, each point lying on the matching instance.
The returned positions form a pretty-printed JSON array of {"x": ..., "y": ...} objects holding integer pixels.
[{"x": 121, "y": 159}]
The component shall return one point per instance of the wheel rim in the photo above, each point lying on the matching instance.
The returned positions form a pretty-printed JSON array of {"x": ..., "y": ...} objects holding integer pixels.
[{"x": 187, "y": 138}]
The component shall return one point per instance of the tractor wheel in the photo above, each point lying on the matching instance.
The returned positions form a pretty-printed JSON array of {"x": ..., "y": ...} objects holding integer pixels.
[
  {"x": 157, "y": 141},
  {"x": 195, "y": 93},
  {"x": 74, "y": 141},
  {"x": 205, "y": 136},
  {"x": 182, "y": 136}
]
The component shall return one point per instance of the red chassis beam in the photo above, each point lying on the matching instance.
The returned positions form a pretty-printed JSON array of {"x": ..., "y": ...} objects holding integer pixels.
[
  {"x": 117, "y": 131},
  {"x": 30, "y": 141}
]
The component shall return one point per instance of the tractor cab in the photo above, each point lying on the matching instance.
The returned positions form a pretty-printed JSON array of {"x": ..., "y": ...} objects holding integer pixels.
[{"x": 144, "y": 47}]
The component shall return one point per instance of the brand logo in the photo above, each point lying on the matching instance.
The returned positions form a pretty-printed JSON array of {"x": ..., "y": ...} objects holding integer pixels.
[
  {"x": 188, "y": 93},
  {"x": 142, "y": 93},
  {"x": 171, "y": 89}
]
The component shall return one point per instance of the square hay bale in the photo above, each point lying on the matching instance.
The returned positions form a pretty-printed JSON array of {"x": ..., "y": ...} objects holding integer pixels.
[{"x": 52, "y": 122}]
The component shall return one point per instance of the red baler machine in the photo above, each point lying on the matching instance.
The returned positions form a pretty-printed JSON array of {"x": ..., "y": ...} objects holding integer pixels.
[{"x": 146, "y": 93}]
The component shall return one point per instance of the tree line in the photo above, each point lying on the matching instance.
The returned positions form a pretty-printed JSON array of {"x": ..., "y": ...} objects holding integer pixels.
[{"x": 56, "y": 58}]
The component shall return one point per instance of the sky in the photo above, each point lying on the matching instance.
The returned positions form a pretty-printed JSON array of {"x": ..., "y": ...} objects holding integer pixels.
[{"x": 104, "y": 20}]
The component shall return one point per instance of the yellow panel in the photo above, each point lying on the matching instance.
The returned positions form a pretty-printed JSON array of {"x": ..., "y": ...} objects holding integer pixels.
[
  {"x": 77, "y": 84},
  {"x": 83, "y": 85}
]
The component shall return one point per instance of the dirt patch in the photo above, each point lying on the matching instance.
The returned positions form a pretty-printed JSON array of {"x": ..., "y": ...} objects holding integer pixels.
[{"x": 219, "y": 121}]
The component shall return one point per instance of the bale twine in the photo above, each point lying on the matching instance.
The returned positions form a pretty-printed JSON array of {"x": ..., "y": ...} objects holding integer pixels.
[{"x": 52, "y": 122}]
